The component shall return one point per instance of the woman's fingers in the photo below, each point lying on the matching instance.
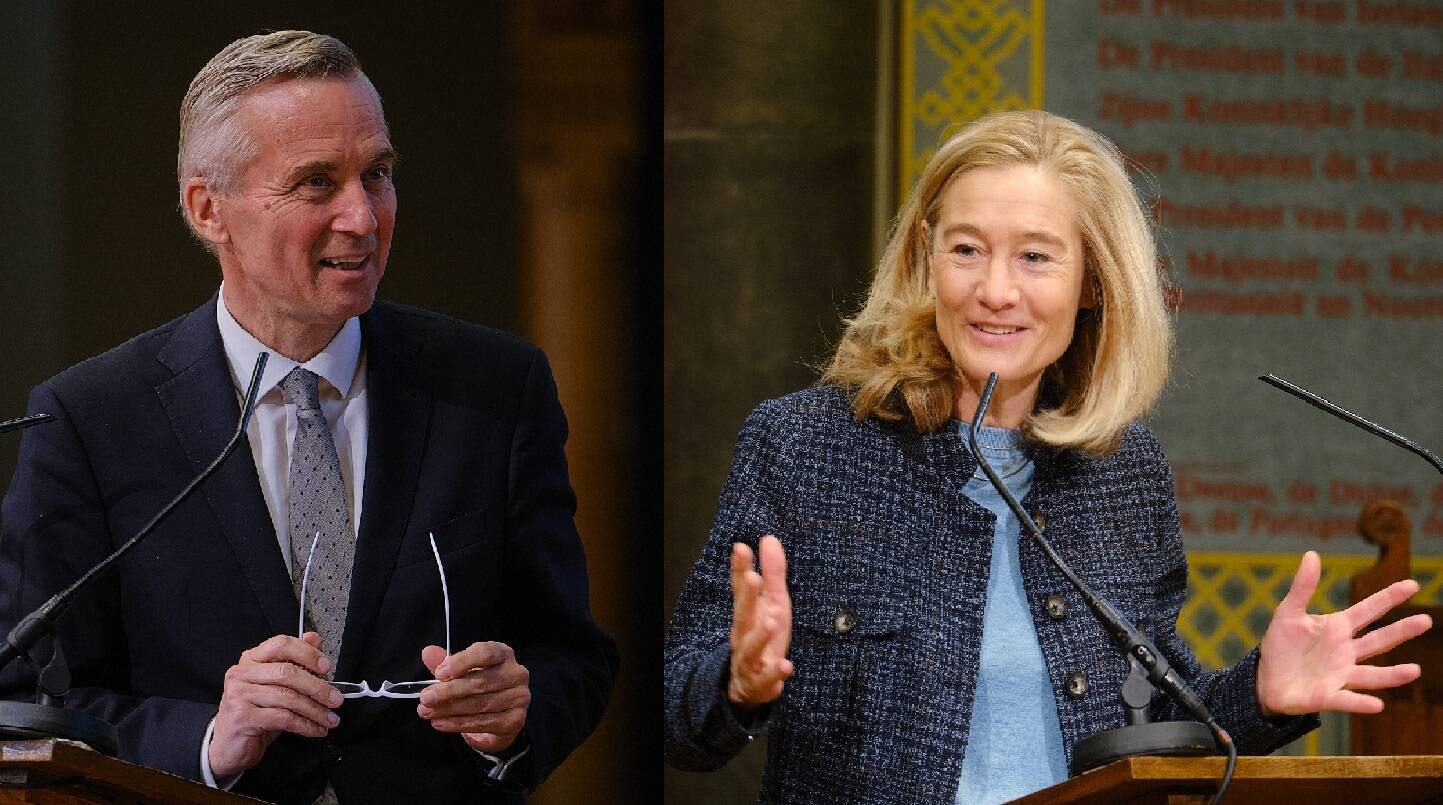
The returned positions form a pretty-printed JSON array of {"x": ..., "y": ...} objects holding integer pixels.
[
  {"x": 1305, "y": 583},
  {"x": 761, "y": 622},
  {"x": 1377, "y": 605},
  {"x": 1386, "y": 638},
  {"x": 746, "y": 585},
  {"x": 1346, "y": 701},
  {"x": 1374, "y": 677}
]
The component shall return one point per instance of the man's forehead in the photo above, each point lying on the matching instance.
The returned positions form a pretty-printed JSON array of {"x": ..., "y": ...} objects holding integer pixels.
[{"x": 305, "y": 113}]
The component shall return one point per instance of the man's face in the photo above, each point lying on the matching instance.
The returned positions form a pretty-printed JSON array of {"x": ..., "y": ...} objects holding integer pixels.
[{"x": 309, "y": 222}]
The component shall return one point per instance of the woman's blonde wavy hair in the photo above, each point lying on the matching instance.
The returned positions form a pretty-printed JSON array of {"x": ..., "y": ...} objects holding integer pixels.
[{"x": 891, "y": 359}]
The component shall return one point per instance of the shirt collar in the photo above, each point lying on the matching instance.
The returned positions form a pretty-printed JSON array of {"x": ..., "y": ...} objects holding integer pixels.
[{"x": 336, "y": 363}]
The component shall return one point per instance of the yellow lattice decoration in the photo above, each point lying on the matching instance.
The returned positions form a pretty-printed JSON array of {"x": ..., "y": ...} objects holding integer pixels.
[
  {"x": 962, "y": 59},
  {"x": 1231, "y": 597}
]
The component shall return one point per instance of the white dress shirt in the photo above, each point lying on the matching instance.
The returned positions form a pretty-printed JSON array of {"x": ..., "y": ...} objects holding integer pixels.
[
  {"x": 341, "y": 367},
  {"x": 272, "y": 430}
]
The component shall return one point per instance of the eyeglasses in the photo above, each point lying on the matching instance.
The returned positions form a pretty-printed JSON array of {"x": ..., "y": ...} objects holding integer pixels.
[{"x": 388, "y": 689}]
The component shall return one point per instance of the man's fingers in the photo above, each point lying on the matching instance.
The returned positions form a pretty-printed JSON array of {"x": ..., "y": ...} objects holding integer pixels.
[
  {"x": 274, "y": 697},
  {"x": 1376, "y": 605},
  {"x": 476, "y": 655},
  {"x": 1305, "y": 583},
  {"x": 286, "y": 675},
  {"x": 487, "y": 680},
  {"x": 1373, "y": 677},
  {"x": 1386, "y": 638},
  {"x": 496, "y": 702},
  {"x": 488, "y": 742},
  {"x": 432, "y": 657},
  {"x": 509, "y": 722},
  {"x": 284, "y": 648}
]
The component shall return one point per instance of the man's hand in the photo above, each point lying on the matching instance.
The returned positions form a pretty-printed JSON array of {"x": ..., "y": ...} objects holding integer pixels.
[
  {"x": 1310, "y": 663},
  {"x": 481, "y": 692},
  {"x": 761, "y": 625},
  {"x": 275, "y": 687}
]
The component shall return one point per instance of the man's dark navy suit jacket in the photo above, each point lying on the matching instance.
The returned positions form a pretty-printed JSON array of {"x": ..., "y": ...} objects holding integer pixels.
[{"x": 465, "y": 441}]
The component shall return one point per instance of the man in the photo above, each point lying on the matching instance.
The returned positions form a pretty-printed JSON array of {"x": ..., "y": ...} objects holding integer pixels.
[{"x": 380, "y": 431}]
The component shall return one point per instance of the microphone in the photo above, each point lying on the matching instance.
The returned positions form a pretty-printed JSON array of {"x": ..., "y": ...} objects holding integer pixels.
[
  {"x": 1147, "y": 663},
  {"x": 47, "y": 719},
  {"x": 24, "y": 422},
  {"x": 1353, "y": 419}
]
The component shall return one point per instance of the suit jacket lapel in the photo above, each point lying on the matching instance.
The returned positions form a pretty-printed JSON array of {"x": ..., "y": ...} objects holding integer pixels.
[
  {"x": 398, "y": 393},
  {"x": 200, "y": 400}
]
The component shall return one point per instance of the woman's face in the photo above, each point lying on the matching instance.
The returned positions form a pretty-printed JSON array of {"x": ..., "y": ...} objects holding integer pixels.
[{"x": 1006, "y": 267}]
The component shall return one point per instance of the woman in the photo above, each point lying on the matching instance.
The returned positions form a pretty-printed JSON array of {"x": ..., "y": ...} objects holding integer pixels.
[{"x": 902, "y": 643}]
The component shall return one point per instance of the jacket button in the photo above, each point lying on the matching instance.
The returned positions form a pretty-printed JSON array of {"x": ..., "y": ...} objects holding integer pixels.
[
  {"x": 1056, "y": 607},
  {"x": 845, "y": 621},
  {"x": 1041, "y": 520},
  {"x": 330, "y": 754},
  {"x": 1077, "y": 684}
]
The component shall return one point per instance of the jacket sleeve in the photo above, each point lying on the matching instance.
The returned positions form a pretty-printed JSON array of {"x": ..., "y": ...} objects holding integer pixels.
[
  {"x": 1229, "y": 693},
  {"x": 55, "y": 528},
  {"x": 703, "y": 730},
  {"x": 571, "y": 661}
]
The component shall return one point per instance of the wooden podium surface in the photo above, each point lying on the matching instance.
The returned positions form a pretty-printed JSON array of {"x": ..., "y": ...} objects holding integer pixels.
[
  {"x": 1402, "y": 779},
  {"x": 54, "y": 772}
]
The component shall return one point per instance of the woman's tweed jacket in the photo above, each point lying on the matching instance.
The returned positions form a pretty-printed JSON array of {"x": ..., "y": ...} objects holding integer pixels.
[{"x": 879, "y": 538}]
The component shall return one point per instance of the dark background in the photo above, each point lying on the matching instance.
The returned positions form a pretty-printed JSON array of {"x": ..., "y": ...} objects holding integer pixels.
[
  {"x": 526, "y": 203},
  {"x": 770, "y": 148}
]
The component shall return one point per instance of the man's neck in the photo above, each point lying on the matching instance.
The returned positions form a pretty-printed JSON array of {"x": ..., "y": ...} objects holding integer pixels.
[{"x": 300, "y": 343}]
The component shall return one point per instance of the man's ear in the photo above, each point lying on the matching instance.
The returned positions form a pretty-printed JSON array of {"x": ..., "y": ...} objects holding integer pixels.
[{"x": 201, "y": 206}]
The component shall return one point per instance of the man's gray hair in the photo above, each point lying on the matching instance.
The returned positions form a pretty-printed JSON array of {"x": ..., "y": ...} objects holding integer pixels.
[{"x": 214, "y": 142}]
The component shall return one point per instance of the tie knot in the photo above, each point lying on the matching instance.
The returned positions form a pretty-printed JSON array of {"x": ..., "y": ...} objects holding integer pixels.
[{"x": 300, "y": 388}]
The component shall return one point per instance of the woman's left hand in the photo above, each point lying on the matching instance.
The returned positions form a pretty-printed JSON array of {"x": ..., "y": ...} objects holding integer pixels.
[{"x": 1310, "y": 663}]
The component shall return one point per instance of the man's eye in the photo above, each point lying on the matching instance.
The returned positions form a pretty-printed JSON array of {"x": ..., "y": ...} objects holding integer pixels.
[
  {"x": 379, "y": 172},
  {"x": 319, "y": 180},
  {"x": 1035, "y": 257}
]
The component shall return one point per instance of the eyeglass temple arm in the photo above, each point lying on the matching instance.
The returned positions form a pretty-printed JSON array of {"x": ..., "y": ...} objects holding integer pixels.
[{"x": 445, "y": 593}]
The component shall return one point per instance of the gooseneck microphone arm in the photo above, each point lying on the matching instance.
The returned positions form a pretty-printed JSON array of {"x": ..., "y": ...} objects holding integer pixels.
[
  {"x": 39, "y": 623},
  {"x": 1353, "y": 419},
  {"x": 24, "y": 422},
  {"x": 1128, "y": 638}
]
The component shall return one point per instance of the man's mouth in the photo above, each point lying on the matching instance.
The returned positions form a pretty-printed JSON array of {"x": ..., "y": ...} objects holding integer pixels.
[{"x": 343, "y": 263}]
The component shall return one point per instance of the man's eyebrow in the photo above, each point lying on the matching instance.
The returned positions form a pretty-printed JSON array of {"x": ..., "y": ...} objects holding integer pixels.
[
  {"x": 305, "y": 169},
  {"x": 312, "y": 168}
]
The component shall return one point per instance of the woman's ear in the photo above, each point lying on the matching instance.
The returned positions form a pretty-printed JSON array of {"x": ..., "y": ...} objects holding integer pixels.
[
  {"x": 927, "y": 256},
  {"x": 1091, "y": 292}
]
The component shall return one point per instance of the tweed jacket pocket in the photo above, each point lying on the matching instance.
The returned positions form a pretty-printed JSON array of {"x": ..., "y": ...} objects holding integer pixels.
[{"x": 845, "y": 636}]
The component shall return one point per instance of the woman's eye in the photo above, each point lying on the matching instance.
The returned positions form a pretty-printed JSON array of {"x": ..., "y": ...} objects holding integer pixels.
[
  {"x": 964, "y": 250},
  {"x": 1034, "y": 257}
]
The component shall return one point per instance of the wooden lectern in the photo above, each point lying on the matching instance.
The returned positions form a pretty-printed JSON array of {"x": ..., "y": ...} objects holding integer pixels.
[
  {"x": 1409, "y": 723},
  {"x": 1311, "y": 780},
  {"x": 58, "y": 773}
]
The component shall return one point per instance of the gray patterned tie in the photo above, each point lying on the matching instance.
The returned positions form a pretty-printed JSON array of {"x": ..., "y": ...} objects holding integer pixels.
[{"x": 317, "y": 502}]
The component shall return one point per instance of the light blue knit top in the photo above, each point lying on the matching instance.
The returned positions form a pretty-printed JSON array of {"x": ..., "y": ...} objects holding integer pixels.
[{"x": 1014, "y": 743}]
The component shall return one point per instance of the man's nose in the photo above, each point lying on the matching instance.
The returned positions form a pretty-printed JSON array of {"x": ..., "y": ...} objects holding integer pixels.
[{"x": 356, "y": 213}]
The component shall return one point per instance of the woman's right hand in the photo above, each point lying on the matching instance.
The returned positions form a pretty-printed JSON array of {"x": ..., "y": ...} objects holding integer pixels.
[{"x": 761, "y": 625}]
